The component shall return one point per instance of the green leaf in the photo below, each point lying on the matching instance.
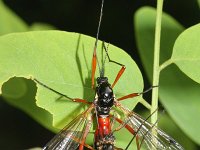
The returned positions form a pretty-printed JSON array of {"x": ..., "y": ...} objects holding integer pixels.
[
  {"x": 41, "y": 26},
  {"x": 62, "y": 61},
  {"x": 186, "y": 53},
  {"x": 178, "y": 94},
  {"x": 20, "y": 93},
  {"x": 176, "y": 133},
  {"x": 9, "y": 21},
  {"x": 198, "y": 1}
]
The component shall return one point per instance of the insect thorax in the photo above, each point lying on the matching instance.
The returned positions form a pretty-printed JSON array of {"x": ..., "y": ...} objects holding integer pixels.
[{"x": 105, "y": 96}]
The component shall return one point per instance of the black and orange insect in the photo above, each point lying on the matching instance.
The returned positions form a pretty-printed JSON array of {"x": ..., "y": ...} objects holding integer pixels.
[{"x": 74, "y": 135}]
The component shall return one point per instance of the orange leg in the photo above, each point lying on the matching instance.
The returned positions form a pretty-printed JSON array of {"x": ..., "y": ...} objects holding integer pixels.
[
  {"x": 121, "y": 71},
  {"x": 137, "y": 142},
  {"x": 131, "y": 130},
  {"x": 135, "y": 94},
  {"x": 81, "y": 101},
  {"x": 94, "y": 64},
  {"x": 87, "y": 129},
  {"x": 85, "y": 145},
  {"x": 128, "y": 96}
]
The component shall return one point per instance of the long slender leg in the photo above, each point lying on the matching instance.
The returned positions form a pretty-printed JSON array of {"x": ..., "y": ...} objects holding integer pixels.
[
  {"x": 136, "y": 137},
  {"x": 121, "y": 71},
  {"x": 143, "y": 138},
  {"x": 87, "y": 129},
  {"x": 62, "y": 95},
  {"x": 123, "y": 124},
  {"x": 137, "y": 142},
  {"x": 128, "y": 96},
  {"x": 131, "y": 130},
  {"x": 135, "y": 94},
  {"x": 84, "y": 145},
  {"x": 94, "y": 64}
]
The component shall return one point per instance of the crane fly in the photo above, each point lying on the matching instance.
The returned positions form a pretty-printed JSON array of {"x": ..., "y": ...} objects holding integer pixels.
[{"x": 74, "y": 135}]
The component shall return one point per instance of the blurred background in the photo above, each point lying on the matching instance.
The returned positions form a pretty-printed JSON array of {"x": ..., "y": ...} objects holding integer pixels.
[{"x": 18, "y": 130}]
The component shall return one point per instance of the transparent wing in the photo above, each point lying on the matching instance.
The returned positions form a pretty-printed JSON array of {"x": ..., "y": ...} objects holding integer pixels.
[
  {"x": 143, "y": 131},
  {"x": 70, "y": 137}
]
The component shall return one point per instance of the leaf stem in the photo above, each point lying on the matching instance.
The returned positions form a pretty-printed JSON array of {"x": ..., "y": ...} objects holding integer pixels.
[
  {"x": 165, "y": 64},
  {"x": 156, "y": 69},
  {"x": 145, "y": 103}
]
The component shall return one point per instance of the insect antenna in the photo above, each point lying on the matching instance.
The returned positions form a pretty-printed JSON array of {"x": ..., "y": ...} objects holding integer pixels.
[{"x": 97, "y": 35}]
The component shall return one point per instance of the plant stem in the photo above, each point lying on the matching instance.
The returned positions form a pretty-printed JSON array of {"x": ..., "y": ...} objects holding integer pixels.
[{"x": 156, "y": 69}]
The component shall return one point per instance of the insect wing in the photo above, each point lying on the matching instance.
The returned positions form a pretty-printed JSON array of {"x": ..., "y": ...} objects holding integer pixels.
[
  {"x": 159, "y": 141},
  {"x": 70, "y": 137},
  {"x": 143, "y": 132}
]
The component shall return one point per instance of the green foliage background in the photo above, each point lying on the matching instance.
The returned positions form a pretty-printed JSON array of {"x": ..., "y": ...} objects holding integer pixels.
[{"x": 29, "y": 55}]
